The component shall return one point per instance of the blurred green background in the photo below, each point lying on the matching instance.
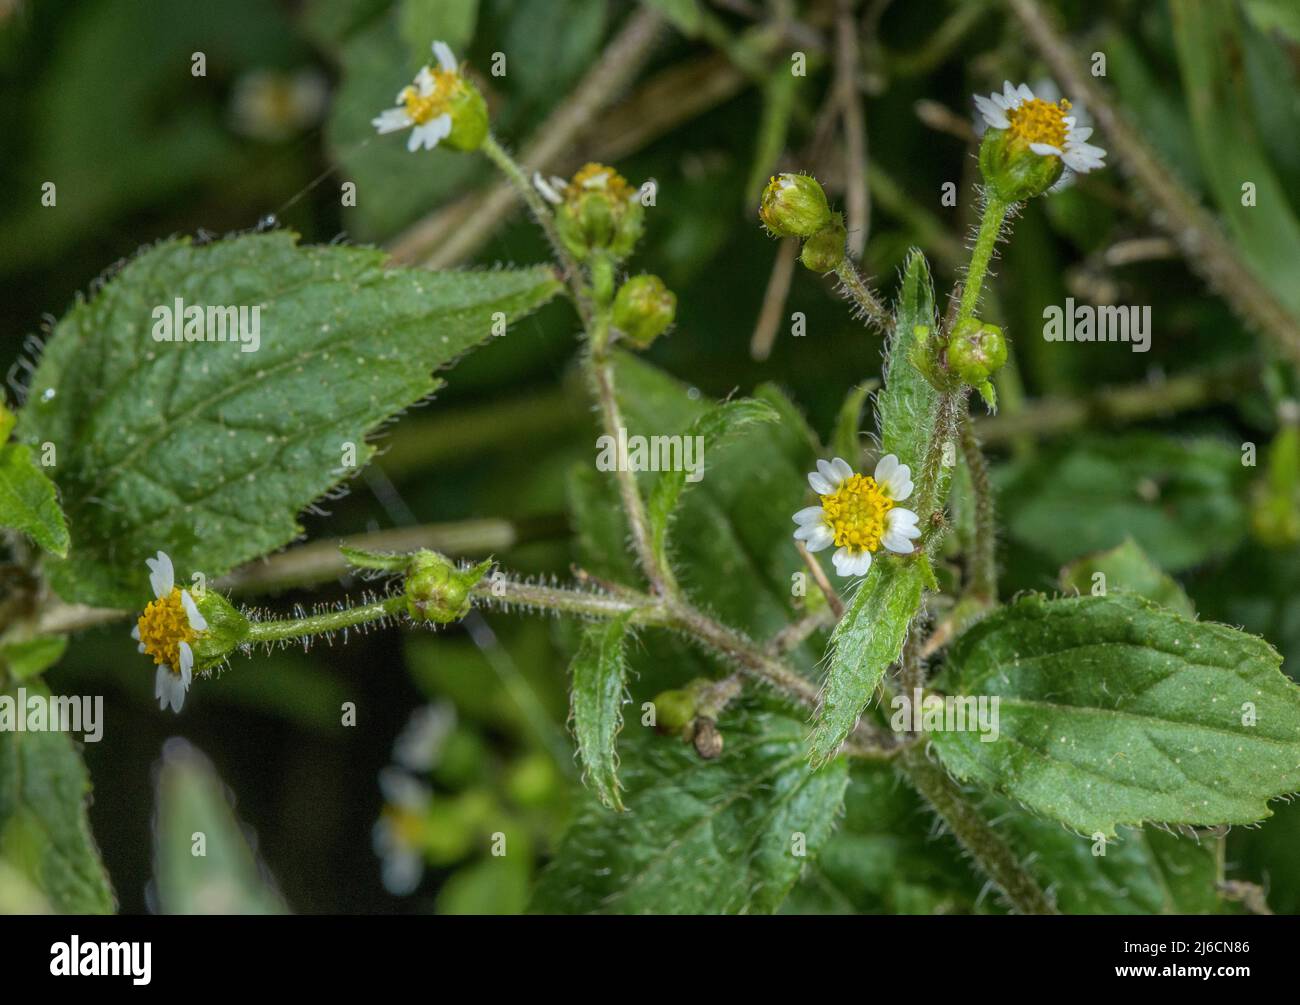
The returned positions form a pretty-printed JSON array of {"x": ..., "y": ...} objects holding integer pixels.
[{"x": 97, "y": 96}]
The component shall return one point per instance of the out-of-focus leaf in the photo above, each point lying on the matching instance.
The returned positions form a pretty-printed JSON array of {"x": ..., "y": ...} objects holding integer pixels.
[
  {"x": 203, "y": 863},
  {"x": 208, "y": 452},
  {"x": 720, "y": 836},
  {"x": 27, "y": 501},
  {"x": 1115, "y": 711},
  {"x": 26, "y": 659},
  {"x": 493, "y": 886},
  {"x": 597, "y": 704},
  {"x": 1127, "y": 567},
  {"x": 846, "y": 439},
  {"x": 44, "y": 832},
  {"x": 713, "y": 429},
  {"x": 1179, "y": 499},
  {"x": 1210, "y": 49},
  {"x": 426, "y": 21}
]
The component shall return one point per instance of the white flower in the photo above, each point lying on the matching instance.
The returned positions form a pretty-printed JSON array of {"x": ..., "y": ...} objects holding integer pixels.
[
  {"x": 398, "y": 832},
  {"x": 419, "y": 745},
  {"x": 859, "y": 514},
  {"x": 171, "y": 622},
  {"x": 420, "y": 105},
  {"x": 1045, "y": 126}
]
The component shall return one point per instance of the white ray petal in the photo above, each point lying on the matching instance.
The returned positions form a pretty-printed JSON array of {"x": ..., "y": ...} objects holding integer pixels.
[{"x": 162, "y": 577}]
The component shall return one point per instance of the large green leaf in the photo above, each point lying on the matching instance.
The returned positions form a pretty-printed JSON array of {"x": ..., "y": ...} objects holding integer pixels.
[
  {"x": 866, "y": 641},
  {"x": 1179, "y": 498},
  {"x": 44, "y": 832},
  {"x": 597, "y": 704},
  {"x": 700, "y": 837},
  {"x": 209, "y": 452},
  {"x": 27, "y": 501},
  {"x": 203, "y": 863},
  {"x": 1116, "y": 711}
]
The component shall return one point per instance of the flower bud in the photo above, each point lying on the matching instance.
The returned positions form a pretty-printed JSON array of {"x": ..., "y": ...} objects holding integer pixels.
[
  {"x": 599, "y": 211},
  {"x": 1012, "y": 170},
  {"x": 227, "y": 629},
  {"x": 436, "y": 590},
  {"x": 824, "y": 251},
  {"x": 976, "y": 351},
  {"x": 469, "y": 117},
  {"x": 644, "y": 308},
  {"x": 674, "y": 710},
  {"x": 794, "y": 205}
]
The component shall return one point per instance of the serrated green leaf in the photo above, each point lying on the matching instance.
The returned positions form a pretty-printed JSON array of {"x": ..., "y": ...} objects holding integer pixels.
[
  {"x": 209, "y": 452},
  {"x": 906, "y": 406},
  {"x": 1182, "y": 499},
  {"x": 1115, "y": 711},
  {"x": 596, "y": 698},
  {"x": 193, "y": 807},
  {"x": 866, "y": 641},
  {"x": 44, "y": 831},
  {"x": 715, "y": 427},
  {"x": 27, "y": 500},
  {"x": 701, "y": 837},
  {"x": 1127, "y": 567}
]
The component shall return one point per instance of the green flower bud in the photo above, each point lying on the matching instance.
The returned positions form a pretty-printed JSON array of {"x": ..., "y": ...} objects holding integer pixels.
[
  {"x": 599, "y": 211},
  {"x": 794, "y": 205},
  {"x": 438, "y": 591},
  {"x": 976, "y": 351},
  {"x": 674, "y": 710},
  {"x": 1013, "y": 170},
  {"x": 824, "y": 251},
  {"x": 644, "y": 308},
  {"x": 227, "y": 629},
  {"x": 469, "y": 117}
]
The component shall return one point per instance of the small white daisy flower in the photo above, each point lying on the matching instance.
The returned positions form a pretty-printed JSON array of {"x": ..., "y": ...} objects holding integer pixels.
[
  {"x": 439, "y": 99},
  {"x": 398, "y": 834},
  {"x": 858, "y": 514},
  {"x": 1046, "y": 127},
  {"x": 167, "y": 629}
]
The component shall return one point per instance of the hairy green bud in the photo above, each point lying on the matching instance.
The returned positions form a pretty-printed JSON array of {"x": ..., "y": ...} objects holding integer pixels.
[
  {"x": 824, "y": 251},
  {"x": 644, "y": 309},
  {"x": 436, "y": 590},
  {"x": 227, "y": 630},
  {"x": 599, "y": 212},
  {"x": 976, "y": 351},
  {"x": 1012, "y": 170},
  {"x": 794, "y": 205}
]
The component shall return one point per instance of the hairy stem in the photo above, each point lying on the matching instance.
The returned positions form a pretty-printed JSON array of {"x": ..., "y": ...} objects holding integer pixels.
[
  {"x": 869, "y": 308},
  {"x": 330, "y": 621},
  {"x": 995, "y": 213},
  {"x": 973, "y": 832},
  {"x": 983, "y": 559}
]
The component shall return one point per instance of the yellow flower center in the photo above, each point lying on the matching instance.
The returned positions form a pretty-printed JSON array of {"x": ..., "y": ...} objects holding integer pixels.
[
  {"x": 606, "y": 179},
  {"x": 408, "y": 828},
  {"x": 163, "y": 626},
  {"x": 1040, "y": 121},
  {"x": 423, "y": 107},
  {"x": 856, "y": 513}
]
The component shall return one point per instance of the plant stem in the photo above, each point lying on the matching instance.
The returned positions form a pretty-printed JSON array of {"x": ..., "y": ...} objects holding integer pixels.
[
  {"x": 984, "y": 575},
  {"x": 973, "y": 832},
  {"x": 995, "y": 212},
  {"x": 330, "y": 621},
  {"x": 542, "y": 215},
  {"x": 506, "y": 593},
  {"x": 602, "y": 377},
  {"x": 856, "y": 289}
]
